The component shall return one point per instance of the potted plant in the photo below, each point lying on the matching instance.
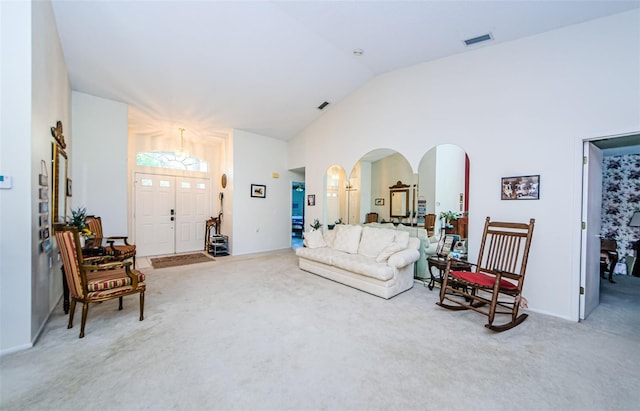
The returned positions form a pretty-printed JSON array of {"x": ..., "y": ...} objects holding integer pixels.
[
  {"x": 78, "y": 219},
  {"x": 447, "y": 216},
  {"x": 316, "y": 224}
]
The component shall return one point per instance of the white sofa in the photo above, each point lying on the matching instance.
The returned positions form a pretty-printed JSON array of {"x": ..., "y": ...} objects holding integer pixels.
[
  {"x": 379, "y": 261},
  {"x": 428, "y": 245}
]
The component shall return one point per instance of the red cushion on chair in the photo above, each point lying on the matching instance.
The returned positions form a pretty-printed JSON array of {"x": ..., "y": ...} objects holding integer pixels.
[{"x": 483, "y": 280}]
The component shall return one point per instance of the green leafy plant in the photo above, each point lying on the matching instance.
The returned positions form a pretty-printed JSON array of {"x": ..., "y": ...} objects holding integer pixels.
[
  {"x": 78, "y": 218},
  {"x": 449, "y": 215},
  {"x": 316, "y": 224}
]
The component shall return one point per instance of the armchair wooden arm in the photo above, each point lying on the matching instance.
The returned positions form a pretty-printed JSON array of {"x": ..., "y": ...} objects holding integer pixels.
[{"x": 118, "y": 251}]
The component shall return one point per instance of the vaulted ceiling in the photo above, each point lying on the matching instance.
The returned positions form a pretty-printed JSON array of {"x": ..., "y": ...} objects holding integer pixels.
[{"x": 265, "y": 66}]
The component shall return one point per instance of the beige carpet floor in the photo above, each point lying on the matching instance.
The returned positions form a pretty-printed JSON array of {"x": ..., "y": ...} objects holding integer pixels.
[{"x": 256, "y": 333}]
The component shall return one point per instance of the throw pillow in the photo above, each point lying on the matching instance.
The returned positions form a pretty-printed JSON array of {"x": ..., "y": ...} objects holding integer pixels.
[
  {"x": 329, "y": 236},
  {"x": 374, "y": 240},
  {"x": 313, "y": 239},
  {"x": 388, "y": 251},
  {"x": 402, "y": 238},
  {"x": 347, "y": 238}
]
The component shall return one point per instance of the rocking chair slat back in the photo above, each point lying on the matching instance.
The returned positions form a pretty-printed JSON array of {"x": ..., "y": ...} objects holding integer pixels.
[{"x": 505, "y": 249}]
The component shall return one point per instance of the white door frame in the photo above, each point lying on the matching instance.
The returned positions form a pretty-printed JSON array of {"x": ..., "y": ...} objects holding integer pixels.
[
  {"x": 591, "y": 218},
  {"x": 176, "y": 178},
  {"x": 587, "y": 258}
]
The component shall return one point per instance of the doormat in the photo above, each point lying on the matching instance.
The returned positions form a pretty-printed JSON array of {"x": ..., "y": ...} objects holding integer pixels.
[{"x": 181, "y": 259}]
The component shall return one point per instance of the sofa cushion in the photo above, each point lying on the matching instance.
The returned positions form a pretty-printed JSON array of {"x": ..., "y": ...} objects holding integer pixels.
[
  {"x": 402, "y": 238},
  {"x": 329, "y": 236},
  {"x": 374, "y": 240},
  {"x": 347, "y": 238},
  {"x": 314, "y": 239},
  {"x": 388, "y": 251},
  {"x": 322, "y": 255},
  {"x": 363, "y": 265}
]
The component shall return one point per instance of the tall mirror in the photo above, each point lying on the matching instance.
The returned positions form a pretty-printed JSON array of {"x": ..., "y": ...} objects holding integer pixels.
[
  {"x": 443, "y": 173},
  {"x": 335, "y": 195},
  {"x": 59, "y": 197},
  {"x": 399, "y": 200}
]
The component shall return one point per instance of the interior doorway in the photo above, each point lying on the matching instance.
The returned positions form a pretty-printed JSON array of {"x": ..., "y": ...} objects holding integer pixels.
[
  {"x": 170, "y": 213},
  {"x": 297, "y": 213},
  {"x": 603, "y": 203}
]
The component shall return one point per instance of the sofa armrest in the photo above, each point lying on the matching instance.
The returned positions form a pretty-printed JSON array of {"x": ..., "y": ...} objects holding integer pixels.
[{"x": 403, "y": 258}]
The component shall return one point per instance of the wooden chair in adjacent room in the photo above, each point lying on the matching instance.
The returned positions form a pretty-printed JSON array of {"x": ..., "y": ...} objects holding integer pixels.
[
  {"x": 430, "y": 224},
  {"x": 95, "y": 282},
  {"x": 494, "y": 285},
  {"x": 119, "y": 252},
  {"x": 371, "y": 218},
  {"x": 608, "y": 257}
]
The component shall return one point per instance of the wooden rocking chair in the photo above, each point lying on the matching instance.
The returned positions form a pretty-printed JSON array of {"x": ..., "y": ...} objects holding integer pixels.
[{"x": 495, "y": 286}]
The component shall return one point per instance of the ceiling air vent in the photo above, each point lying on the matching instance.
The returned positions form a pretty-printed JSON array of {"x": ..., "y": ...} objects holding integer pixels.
[
  {"x": 479, "y": 39},
  {"x": 323, "y": 105}
]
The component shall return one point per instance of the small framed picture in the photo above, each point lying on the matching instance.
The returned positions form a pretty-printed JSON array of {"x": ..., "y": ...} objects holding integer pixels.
[
  {"x": 258, "y": 190},
  {"x": 44, "y": 220},
  {"x": 520, "y": 188},
  {"x": 44, "y": 193},
  {"x": 69, "y": 187},
  {"x": 379, "y": 201},
  {"x": 46, "y": 246},
  {"x": 43, "y": 179},
  {"x": 311, "y": 200},
  {"x": 44, "y": 207}
]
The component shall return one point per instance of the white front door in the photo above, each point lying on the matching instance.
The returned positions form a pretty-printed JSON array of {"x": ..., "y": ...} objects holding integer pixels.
[
  {"x": 155, "y": 201},
  {"x": 170, "y": 213},
  {"x": 192, "y": 211},
  {"x": 591, "y": 215}
]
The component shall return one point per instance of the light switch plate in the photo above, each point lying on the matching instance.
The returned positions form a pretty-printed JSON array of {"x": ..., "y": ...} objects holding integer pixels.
[{"x": 5, "y": 181}]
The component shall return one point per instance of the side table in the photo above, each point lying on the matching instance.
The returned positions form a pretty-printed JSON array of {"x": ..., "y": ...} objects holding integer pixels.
[{"x": 441, "y": 264}]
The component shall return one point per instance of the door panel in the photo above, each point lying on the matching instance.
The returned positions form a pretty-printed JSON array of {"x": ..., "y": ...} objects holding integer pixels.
[
  {"x": 155, "y": 198},
  {"x": 193, "y": 199},
  {"x": 592, "y": 209}
]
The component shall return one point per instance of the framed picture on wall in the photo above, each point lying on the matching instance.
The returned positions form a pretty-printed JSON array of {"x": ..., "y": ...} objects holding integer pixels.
[
  {"x": 379, "y": 201},
  {"x": 520, "y": 188},
  {"x": 69, "y": 187},
  {"x": 311, "y": 200},
  {"x": 258, "y": 190}
]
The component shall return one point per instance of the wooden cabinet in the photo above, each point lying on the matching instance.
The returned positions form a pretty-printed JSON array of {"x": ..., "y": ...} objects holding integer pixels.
[{"x": 459, "y": 227}]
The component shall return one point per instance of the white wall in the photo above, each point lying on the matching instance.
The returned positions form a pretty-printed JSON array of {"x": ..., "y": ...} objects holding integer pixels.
[
  {"x": 35, "y": 94},
  {"x": 99, "y": 160},
  {"x": 15, "y": 160},
  {"x": 450, "y": 178},
  {"x": 260, "y": 224},
  {"x": 517, "y": 108}
]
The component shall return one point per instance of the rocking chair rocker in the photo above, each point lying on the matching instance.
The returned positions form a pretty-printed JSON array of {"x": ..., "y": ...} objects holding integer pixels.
[{"x": 498, "y": 277}]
